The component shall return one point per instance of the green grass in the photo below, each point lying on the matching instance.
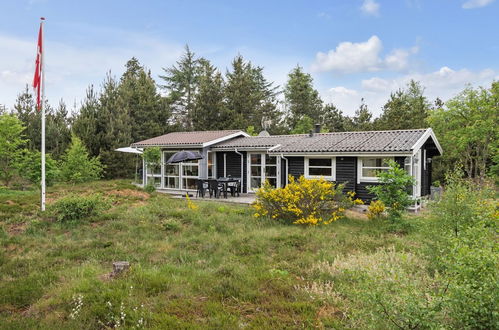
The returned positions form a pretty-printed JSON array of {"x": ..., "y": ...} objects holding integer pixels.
[{"x": 214, "y": 267}]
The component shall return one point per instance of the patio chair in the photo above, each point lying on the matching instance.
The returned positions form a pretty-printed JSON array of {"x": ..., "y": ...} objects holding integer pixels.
[
  {"x": 234, "y": 187},
  {"x": 216, "y": 188},
  {"x": 201, "y": 188}
]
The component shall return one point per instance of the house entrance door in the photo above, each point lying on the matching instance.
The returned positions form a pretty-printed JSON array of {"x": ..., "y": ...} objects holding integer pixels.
[{"x": 262, "y": 167}]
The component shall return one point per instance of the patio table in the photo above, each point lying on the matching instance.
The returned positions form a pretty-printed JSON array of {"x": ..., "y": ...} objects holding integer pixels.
[{"x": 226, "y": 181}]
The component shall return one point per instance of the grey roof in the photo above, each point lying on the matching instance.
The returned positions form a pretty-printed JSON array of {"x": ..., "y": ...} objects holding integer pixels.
[
  {"x": 187, "y": 138},
  {"x": 370, "y": 141}
]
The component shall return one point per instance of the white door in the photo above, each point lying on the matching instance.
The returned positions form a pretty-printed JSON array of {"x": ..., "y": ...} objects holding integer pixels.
[
  {"x": 262, "y": 167},
  {"x": 416, "y": 167}
]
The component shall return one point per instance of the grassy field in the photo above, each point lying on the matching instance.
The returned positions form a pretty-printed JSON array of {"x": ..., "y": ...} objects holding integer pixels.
[{"x": 213, "y": 267}]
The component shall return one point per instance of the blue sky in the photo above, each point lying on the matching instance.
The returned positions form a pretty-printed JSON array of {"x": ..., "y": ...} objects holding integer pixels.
[{"x": 354, "y": 49}]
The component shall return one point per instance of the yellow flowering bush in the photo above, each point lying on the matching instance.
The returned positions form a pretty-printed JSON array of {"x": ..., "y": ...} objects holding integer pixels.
[
  {"x": 190, "y": 203},
  {"x": 375, "y": 209},
  {"x": 302, "y": 201}
]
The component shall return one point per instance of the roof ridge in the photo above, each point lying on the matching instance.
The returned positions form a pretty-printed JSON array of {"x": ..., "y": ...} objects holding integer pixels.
[{"x": 353, "y": 132}]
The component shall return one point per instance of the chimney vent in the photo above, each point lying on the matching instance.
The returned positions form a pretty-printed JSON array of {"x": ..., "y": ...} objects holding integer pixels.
[{"x": 317, "y": 128}]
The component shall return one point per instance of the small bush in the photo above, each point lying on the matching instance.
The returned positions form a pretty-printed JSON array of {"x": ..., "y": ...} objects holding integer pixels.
[
  {"x": 393, "y": 189},
  {"x": 77, "y": 166},
  {"x": 29, "y": 167},
  {"x": 306, "y": 201},
  {"x": 375, "y": 210},
  {"x": 149, "y": 188},
  {"x": 74, "y": 208}
]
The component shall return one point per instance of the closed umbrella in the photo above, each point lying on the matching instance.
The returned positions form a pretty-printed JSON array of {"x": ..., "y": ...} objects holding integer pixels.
[{"x": 184, "y": 155}]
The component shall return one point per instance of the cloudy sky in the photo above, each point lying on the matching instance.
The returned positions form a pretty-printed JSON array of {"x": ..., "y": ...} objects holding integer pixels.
[{"x": 354, "y": 49}]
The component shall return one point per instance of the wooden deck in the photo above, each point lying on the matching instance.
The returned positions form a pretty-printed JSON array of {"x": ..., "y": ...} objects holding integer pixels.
[{"x": 242, "y": 199}]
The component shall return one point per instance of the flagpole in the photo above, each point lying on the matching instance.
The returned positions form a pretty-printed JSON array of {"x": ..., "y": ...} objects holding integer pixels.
[{"x": 43, "y": 116}]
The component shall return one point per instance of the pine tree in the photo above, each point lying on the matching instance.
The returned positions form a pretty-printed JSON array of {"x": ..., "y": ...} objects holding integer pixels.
[
  {"x": 251, "y": 99},
  {"x": 58, "y": 130},
  {"x": 332, "y": 119},
  {"x": 57, "y": 125},
  {"x": 181, "y": 84},
  {"x": 407, "y": 108},
  {"x": 138, "y": 95},
  {"x": 116, "y": 130},
  {"x": 24, "y": 109},
  {"x": 209, "y": 111},
  {"x": 361, "y": 121},
  {"x": 301, "y": 98},
  {"x": 87, "y": 125}
]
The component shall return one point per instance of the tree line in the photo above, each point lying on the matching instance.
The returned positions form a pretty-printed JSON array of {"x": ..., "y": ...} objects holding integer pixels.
[{"x": 193, "y": 94}]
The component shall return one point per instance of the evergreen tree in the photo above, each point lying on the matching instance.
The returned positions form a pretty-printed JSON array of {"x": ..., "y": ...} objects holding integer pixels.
[
  {"x": 251, "y": 99},
  {"x": 361, "y": 121},
  {"x": 209, "y": 111},
  {"x": 406, "y": 109},
  {"x": 87, "y": 124},
  {"x": 58, "y": 130},
  {"x": 181, "y": 83},
  {"x": 24, "y": 109},
  {"x": 77, "y": 165},
  {"x": 332, "y": 119},
  {"x": 301, "y": 98},
  {"x": 138, "y": 95},
  {"x": 116, "y": 126},
  {"x": 57, "y": 125}
]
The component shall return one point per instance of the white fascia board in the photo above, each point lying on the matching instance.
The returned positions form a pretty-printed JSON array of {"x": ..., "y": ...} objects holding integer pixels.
[
  {"x": 346, "y": 154},
  {"x": 169, "y": 146},
  {"x": 225, "y": 138},
  {"x": 274, "y": 147},
  {"x": 419, "y": 143},
  {"x": 255, "y": 149}
]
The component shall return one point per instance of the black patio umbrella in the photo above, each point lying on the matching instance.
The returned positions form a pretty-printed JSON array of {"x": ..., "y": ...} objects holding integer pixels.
[{"x": 184, "y": 155}]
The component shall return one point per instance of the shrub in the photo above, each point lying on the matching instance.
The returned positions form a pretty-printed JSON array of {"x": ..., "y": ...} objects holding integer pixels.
[
  {"x": 393, "y": 189},
  {"x": 463, "y": 205},
  {"x": 375, "y": 210},
  {"x": 152, "y": 157},
  {"x": 306, "y": 201},
  {"x": 465, "y": 252},
  {"x": 74, "y": 208},
  {"x": 11, "y": 142},
  {"x": 150, "y": 188},
  {"x": 30, "y": 164},
  {"x": 77, "y": 166}
]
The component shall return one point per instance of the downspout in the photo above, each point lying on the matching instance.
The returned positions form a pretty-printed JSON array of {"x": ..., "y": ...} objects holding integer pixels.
[
  {"x": 242, "y": 167},
  {"x": 287, "y": 167}
]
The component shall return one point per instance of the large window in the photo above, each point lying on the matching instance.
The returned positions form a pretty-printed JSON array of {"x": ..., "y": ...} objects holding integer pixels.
[
  {"x": 153, "y": 173},
  {"x": 190, "y": 173},
  {"x": 320, "y": 167},
  {"x": 180, "y": 175},
  {"x": 262, "y": 167},
  {"x": 212, "y": 171},
  {"x": 370, "y": 167}
]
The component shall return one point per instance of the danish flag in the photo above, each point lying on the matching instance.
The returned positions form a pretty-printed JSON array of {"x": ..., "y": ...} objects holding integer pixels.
[{"x": 37, "y": 79}]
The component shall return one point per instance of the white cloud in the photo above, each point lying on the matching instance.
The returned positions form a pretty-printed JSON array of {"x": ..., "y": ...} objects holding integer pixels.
[
  {"x": 71, "y": 68},
  {"x": 349, "y": 57},
  {"x": 471, "y": 4},
  {"x": 444, "y": 83},
  {"x": 370, "y": 7}
]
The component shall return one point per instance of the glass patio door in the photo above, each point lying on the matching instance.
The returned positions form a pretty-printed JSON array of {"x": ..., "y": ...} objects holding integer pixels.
[{"x": 262, "y": 167}]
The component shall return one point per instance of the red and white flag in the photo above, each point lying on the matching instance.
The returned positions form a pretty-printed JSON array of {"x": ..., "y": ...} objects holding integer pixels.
[{"x": 37, "y": 79}]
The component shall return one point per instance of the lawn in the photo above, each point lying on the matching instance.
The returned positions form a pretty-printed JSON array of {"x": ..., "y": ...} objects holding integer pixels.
[{"x": 212, "y": 267}]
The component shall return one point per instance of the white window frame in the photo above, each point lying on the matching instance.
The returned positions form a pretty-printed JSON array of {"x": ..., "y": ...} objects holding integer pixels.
[
  {"x": 181, "y": 175},
  {"x": 332, "y": 177},
  {"x": 262, "y": 166},
  {"x": 152, "y": 176},
  {"x": 213, "y": 156},
  {"x": 360, "y": 168}
]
